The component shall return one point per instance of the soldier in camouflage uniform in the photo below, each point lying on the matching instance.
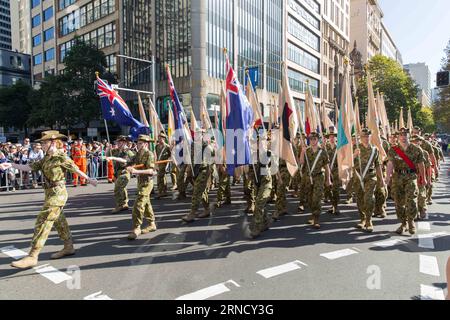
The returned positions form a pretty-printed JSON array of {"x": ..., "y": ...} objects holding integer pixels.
[
  {"x": 303, "y": 177},
  {"x": 261, "y": 181},
  {"x": 367, "y": 157},
  {"x": 284, "y": 179},
  {"x": 224, "y": 187},
  {"x": 331, "y": 149},
  {"x": 121, "y": 174},
  {"x": 54, "y": 167},
  {"x": 202, "y": 173},
  {"x": 422, "y": 197},
  {"x": 382, "y": 193},
  {"x": 316, "y": 159},
  {"x": 163, "y": 153},
  {"x": 405, "y": 184}
]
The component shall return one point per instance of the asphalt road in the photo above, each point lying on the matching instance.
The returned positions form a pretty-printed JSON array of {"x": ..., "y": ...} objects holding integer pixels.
[{"x": 211, "y": 259}]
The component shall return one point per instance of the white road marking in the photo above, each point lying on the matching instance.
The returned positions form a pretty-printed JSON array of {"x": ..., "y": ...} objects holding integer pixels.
[
  {"x": 209, "y": 292},
  {"x": 424, "y": 226},
  {"x": 338, "y": 254},
  {"x": 426, "y": 241},
  {"x": 429, "y": 265},
  {"x": 276, "y": 271},
  {"x": 431, "y": 293},
  {"x": 389, "y": 243},
  {"x": 97, "y": 296},
  {"x": 52, "y": 274},
  {"x": 14, "y": 253}
]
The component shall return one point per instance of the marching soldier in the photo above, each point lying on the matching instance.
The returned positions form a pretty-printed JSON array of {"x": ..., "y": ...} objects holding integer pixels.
[
  {"x": 381, "y": 194},
  {"x": 78, "y": 154},
  {"x": 284, "y": 179},
  {"x": 303, "y": 172},
  {"x": 122, "y": 176},
  {"x": 422, "y": 197},
  {"x": 261, "y": 181},
  {"x": 367, "y": 157},
  {"x": 316, "y": 160},
  {"x": 201, "y": 175},
  {"x": 331, "y": 148},
  {"x": 53, "y": 166},
  {"x": 406, "y": 165},
  {"x": 163, "y": 154},
  {"x": 428, "y": 146}
]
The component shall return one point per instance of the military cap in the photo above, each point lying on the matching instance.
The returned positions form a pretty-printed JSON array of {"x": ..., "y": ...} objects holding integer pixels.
[
  {"x": 416, "y": 138},
  {"x": 417, "y": 128},
  {"x": 51, "y": 135},
  {"x": 328, "y": 135},
  {"x": 404, "y": 130},
  {"x": 145, "y": 138},
  {"x": 123, "y": 138},
  {"x": 427, "y": 136},
  {"x": 163, "y": 135},
  {"x": 314, "y": 135},
  {"x": 365, "y": 132}
]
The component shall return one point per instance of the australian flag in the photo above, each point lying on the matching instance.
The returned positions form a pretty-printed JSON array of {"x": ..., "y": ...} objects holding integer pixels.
[
  {"x": 114, "y": 108},
  {"x": 239, "y": 117}
]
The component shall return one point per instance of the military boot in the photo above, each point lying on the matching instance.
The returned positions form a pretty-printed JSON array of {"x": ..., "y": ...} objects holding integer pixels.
[
  {"x": 311, "y": 220},
  {"x": 120, "y": 209},
  {"x": 301, "y": 209},
  {"x": 68, "y": 250},
  {"x": 316, "y": 224},
  {"x": 151, "y": 228},
  {"x": 254, "y": 231},
  {"x": 135, "y": 234},
  {"x": 411, "y": 226},
  {"x": 227, "y": 202},
  {"x": 28, "y": 262},
  {"x": 423, "y": 214},
  {"x": 402, "y": 228},
  {"x": 369, "y": 225},
  {"x": 206, "y": 214},
  {"x": 250, "y": 209},
  {"x": 362, "y": 221},
  {"x": 190, "y": 217}
]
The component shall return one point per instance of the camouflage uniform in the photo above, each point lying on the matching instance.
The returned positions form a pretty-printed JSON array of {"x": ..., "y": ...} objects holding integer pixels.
[
  {"x": 335, "y": 187},
  {"x": 428, "y": 147},
  {"x": 365, "y": 197},
  {"x": 122, "y": 176},
  {"x": 315, "y": 181},
  {"x": 405, "y": 185},
  {"x": 53, "y": 168},
  {"x": 142, "y": 206},
  {"x": 422, "y": 198},
  {"x": 163, "y": 153},
  {"x": 284, "y": 179},
  {"x": 381, "y": 193},
  {"x": 224, "y": 190}
]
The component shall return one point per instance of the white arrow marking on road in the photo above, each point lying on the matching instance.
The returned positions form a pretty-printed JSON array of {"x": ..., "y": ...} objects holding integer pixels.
[
  {"x": 276, "y": 271},
  {"x": 97, "y": 296},
  {"x": 429, "y": 265},
  {"x": 14, "y": 253},
  {"x": 389, "y": 243},
  {"x": 52, "y": 274},
  {"x": 431, "y": 293},
  {"x": 424, "y": 226},
  {"x": 426, "y": 241},
  {"x": 209, "y": 292},
  {"x": 338, "y": 254}
]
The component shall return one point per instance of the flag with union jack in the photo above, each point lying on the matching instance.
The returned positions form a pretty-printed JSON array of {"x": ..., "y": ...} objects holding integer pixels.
[
  {"x": 114, "y": 108},
  {"x": 239, "y": 117}
]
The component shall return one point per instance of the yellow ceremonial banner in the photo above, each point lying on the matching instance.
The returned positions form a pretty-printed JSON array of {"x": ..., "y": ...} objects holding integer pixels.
[
  {"x": 373, "y": 120},
  {"x": 159, "y": 124},
  {"x": 401, "y": 122},
  {"x": 206, "y": 121},
  {"x": 410, "y": 121},
  {"x": 356, "y": 119},
  {"x": 171, "y": 124},
  {"x": 384, "y": 118},
  {"x": 142, "y": 112}
]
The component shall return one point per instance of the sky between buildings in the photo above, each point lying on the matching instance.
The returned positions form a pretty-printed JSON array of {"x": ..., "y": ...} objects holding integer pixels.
[{"x": 420, "y": 28}]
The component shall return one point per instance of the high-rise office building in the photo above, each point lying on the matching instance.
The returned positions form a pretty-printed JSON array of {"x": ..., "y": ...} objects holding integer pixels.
[
  {"x": 5, "y": 25},
  {"x": 421, "y": 74},
  {"x": 21, "y": 26}
]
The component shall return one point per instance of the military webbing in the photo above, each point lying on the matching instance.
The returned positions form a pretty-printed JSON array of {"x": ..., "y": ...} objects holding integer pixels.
[{"x": 374, "y": 149}]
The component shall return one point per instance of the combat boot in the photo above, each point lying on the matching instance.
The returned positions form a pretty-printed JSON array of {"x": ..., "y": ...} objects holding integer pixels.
[
  {"x": 227, "y": 202},
  {"x": 402, "y": 228},
  {"x": 311, "y": 220},
  {"x": 301, "y": 209},
  {"x": 120, "y": 209},
  {"x": 250, "y": 209},
  {"x": 190, "y": 217},
  {"x": 206, "y": 214},
  {"x": 28, "y": 262},
  {"x": 362, "y": 222},
  {"x": 151, "y": 228},
  {"x": 68, "y": 250},
  {"x": 369, "y": 225},
  {"x": 316, "y": 224},
  {"x": 254, "y": 231},
  {"x": 135, "y": 234},
  {"x": 423, "y": 214},
  {"x": 411, "y": 226}
]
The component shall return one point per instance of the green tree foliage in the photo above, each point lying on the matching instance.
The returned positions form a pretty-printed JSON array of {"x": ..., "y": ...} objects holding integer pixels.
[
  {"x": 15, "y": 106},
  {"x": 442, "y": 107},
  {"x": 399, "y": 90},
  {"x": 425, "y": 120}
]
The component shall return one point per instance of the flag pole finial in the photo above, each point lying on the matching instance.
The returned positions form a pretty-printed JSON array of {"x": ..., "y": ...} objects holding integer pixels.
[
  {"x": 97, "y": 73},
  {"x": 225, "y": 50}
]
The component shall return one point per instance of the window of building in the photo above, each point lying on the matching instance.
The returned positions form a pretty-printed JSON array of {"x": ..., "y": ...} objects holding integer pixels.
[
  {"x": 299, "y": 31},
  {"x": 301, "y": 11},
  {"x": 111, "y": 62},
  {"x": 35, "y": 3},
  {"x": 37, "y": 40},
  {"x": 36, "y": 20},
  {"x": 37, "y": 59},
  {"x": 303, "y": 58},
  {"x": 49, "y": 54},
  {"x": 65, "y": 3},
  {"x": 49, "y": 34},
  {"x": 48, "y": 13},
  {"x": 297, "y": 82}
]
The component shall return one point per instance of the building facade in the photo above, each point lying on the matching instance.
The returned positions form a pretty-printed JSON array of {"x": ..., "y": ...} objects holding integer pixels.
[
  {"x": 5, "y": 25},
  {"x": 421, "y": 74},
  {"x": 14, "y": 66},
  {"x": 388, "y": 47},
  {"x": 336, "y": 42},
  {"x": 21, "y": 26}
]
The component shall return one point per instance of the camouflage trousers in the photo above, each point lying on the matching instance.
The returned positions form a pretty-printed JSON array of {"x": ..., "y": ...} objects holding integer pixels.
[
  {"x": 335, "y": 189},
  {"x": 173, "y": 175},
  {"x": 143, "y": 207},
  {"x": 302, "y": 189},
  {"x": 380, "y": 201},
  {"x": 314, "y": 193},
  {"x": 273, "y": 192},
  {"x": 296, "y": 181},
  {"x": 406, "y": 194},
  {"x": 46, "y": 219},
  {"x": 161, "y": 179},
  {"x": 184, "y": 177},
  {"x": 200, "y": 193},
  {"x": 422, "y": 198},
  {"x": 365, "y": 198},
  {"x": 282, "y": 184},
  {"x": 261, "y": 195},
  {"x": 120, "y": 190},
  {"x": 430, "y": 190},
  {"x": 224, "y": 190}
]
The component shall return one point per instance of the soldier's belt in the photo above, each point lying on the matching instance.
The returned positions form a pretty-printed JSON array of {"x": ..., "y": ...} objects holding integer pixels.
[
  {"x": 51, "y": 185},
  {"x": 406, "y": 171}
]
